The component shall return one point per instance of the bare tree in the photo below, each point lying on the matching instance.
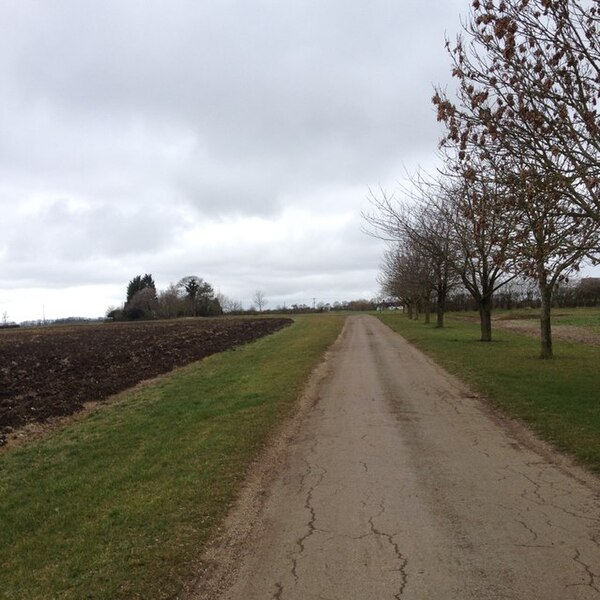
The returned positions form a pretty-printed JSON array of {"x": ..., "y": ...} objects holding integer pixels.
[
  {"x": 418, "y": 219},
  {"x": 526, "y": 109},
  {"x": 228, "y": 304},
  {"x": 529, "y": 86},
  {"x": 171, "y": 302},
  {"x": 406, "y": 276},
  {"x": 259, "y": 300},
  {"x": 482, "y": 229},
  {"x": 549, "y": 244}
]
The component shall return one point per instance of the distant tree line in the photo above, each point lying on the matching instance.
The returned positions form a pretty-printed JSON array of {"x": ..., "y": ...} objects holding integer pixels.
[
  {"x": 60, "y": 321},
  {"x": 518, "y": 197},
  {"x": 573, "y": 293},
  {"x": 190, "y": 297},
  {"x": 321, "y": 307}
]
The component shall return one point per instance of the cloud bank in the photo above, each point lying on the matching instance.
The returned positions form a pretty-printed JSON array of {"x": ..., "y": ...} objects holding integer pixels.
[{"x": 234, "y": 140}]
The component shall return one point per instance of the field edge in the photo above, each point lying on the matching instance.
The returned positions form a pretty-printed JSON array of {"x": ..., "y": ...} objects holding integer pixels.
[{"x": 171, "y": 487}]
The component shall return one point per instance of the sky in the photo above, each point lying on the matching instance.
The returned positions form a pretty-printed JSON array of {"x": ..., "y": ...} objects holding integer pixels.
[{"x": 234, "y": 140}]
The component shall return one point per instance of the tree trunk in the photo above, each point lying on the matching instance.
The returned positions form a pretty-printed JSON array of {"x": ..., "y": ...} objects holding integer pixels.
[
  {"x": 413, "y": 310},
  {"x": 485, "y": 317},
  {"x": 440, "y": 308},
  {"x": 545, "y": 326},
  {"x": 427, "y": 307},
  {"x": 439, "y": 322}
]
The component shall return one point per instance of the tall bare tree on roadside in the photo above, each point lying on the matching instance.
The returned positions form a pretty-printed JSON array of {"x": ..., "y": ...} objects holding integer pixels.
[
  {"x": 406, "y": 276},
  {"x": 417, "y": 220},
  {"x": 526, "y": 107},
  {"x": 482, "y": 228},
  {"x": 529, "y": 86}
]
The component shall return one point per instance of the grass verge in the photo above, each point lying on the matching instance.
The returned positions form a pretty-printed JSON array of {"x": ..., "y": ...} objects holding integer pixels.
[
  {"x": 120, "y": 504},
  {"x": 587, "y": 318},
  {"x": 558, "y": 398}
]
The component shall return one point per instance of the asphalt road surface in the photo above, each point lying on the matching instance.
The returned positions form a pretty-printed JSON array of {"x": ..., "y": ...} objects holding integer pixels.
[{"x": 401, "y": 485}]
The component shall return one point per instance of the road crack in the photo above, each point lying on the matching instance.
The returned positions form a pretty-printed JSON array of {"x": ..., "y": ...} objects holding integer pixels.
[
  {"x": 445, "y": 396},
  {"x": 550, "y": 503},
  {"x": 278, "y": 592},
  {"x": 308, "y": 505},
  {"x": 402, "y": 560},
  {"x": 540, "y": 500},
  {"x": 588, "y": 570},
  {"x": 531, "y": 531}
]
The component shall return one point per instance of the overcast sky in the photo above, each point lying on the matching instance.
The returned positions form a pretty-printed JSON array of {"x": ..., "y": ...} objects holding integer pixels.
[{"x": 235, "y": 140}]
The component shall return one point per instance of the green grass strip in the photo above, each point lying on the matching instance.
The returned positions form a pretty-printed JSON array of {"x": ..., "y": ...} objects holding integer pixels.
[
  {"x": 119, "y": 504},
  {"x": 587, "y": 318},
  {"x": 559, "y": 398}
]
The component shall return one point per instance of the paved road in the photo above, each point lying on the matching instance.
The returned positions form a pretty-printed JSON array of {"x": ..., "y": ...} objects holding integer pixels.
[{"x": 402, "y": 485}]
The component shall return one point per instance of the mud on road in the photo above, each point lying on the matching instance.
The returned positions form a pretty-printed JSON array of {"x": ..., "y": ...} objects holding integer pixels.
[
  {"x": 398, "y": 483},
  {"x": 52, "y": 372}
]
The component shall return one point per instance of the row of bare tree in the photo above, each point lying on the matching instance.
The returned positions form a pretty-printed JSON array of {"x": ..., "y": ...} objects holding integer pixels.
[{"x": 519, "y": 193}]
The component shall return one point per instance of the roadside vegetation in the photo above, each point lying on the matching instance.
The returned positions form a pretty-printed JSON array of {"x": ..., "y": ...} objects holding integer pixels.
[
  {"x": 517, "y": 196},
  {"x": 119, "y": 504},
  {"x": 589, "y": 321},
  {"x": 558, "y": 399},
  {"x": 585, "y": 317}
]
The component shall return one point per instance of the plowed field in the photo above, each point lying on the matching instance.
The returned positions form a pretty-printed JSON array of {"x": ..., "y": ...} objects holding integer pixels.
[{"x": 51, "y": 372}]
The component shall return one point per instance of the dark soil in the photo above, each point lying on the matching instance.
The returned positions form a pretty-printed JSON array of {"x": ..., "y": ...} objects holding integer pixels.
[{"x": 52, "y": 372}]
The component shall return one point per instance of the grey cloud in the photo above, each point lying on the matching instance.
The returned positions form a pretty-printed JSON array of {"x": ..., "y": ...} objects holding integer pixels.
[
  {"x": 127, "y": 124},
  {"x": 251, "y": 77},
  {"x": 70, "y": 245}
]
